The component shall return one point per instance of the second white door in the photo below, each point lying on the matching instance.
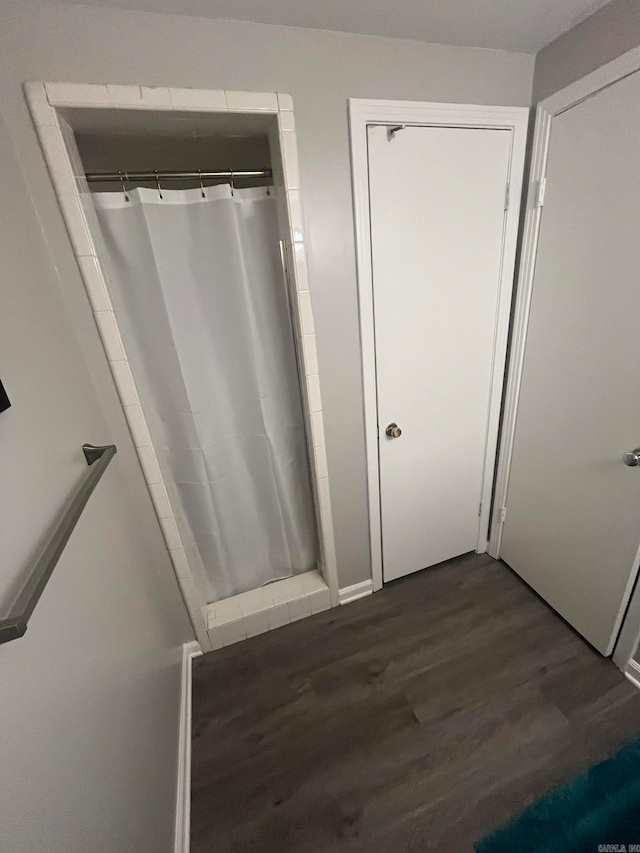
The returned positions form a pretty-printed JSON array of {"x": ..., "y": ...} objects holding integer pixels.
[
  {"x": 572, "y": 523},
  {"x": 437, "y": 207}
]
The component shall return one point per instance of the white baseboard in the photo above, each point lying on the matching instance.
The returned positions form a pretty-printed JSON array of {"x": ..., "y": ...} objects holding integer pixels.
[
  {"x": 632, "y": 672},
  {"x": 183, "y": 796},
  {"x": 357, "y": 590}
]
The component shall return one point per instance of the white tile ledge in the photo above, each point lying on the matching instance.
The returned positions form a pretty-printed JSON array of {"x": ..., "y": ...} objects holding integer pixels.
[
  {"x": 77, "y": 94},
  {"x": 198, "y": 99},
  {"x": 138, "y": 96},
  {"x": 267, "y": 608},
  {"x": 252, "y": 102},
  {"x": 285, "y": 102}
]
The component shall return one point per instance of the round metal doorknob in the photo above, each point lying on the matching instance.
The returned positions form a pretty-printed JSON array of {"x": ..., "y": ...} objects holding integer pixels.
[
  {"x": 632, "y": 457},
  {"x": 394, "y": 431}
]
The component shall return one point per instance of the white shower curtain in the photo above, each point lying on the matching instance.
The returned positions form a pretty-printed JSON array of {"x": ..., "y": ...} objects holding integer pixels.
[{"x": 198, "y": 289}]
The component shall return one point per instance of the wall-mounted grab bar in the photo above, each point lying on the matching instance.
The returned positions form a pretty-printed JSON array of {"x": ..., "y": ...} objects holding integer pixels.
[{"x": 15, "y": 624}]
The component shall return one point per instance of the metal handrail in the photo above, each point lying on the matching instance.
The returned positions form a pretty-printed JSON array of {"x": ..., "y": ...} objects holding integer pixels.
[{"x": 15, "y": 624}]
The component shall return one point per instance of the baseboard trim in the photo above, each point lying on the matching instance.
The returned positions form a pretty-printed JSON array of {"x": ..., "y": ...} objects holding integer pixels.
[
  {"x": 183, "y": 795},
  {"x": 357, "y": 590},
  {"x": 632, "y": 672}
]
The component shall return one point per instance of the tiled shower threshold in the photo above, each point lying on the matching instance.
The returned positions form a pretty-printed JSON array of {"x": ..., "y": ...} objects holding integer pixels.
[{"x": 259, "y": 610}]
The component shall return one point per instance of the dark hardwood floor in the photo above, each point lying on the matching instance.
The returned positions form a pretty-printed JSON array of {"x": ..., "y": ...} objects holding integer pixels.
[{"x": 416, "y": 719}]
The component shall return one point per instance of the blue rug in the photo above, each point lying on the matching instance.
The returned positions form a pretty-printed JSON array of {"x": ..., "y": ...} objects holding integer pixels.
[{"x": 599, "y": 807}]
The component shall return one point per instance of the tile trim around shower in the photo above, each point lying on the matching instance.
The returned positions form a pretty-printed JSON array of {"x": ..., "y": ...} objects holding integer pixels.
[{"x": 305, "y": 594}]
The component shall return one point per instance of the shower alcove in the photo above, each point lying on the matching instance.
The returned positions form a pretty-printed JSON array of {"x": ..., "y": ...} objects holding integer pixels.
[{"x": 183, "y": 207}]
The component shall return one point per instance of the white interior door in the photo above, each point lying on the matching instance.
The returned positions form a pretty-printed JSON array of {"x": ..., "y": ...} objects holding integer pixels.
[
  {"x": 572, "y": 523},
  {"x": 437, "y": 208}
]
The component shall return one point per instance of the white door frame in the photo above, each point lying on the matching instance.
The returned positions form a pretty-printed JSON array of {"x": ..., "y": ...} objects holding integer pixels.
[
  {"x": 546, "y": 111},
  {"x": 363, "y": 112}
]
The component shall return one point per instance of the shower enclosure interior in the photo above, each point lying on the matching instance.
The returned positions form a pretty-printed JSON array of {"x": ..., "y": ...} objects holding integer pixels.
[{"x": 192, "y": 244}]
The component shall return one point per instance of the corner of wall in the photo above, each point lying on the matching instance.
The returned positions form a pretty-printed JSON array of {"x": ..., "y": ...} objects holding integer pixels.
[{"x": 608, "y": 33}]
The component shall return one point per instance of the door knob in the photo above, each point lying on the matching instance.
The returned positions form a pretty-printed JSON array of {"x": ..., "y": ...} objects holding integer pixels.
[
  {"x": 632, "y": 457},
  {"x": 394, "y": 431}
]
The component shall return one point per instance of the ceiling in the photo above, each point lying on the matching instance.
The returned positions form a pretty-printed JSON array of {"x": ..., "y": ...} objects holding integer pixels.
[{"x": 518, "y": 25}]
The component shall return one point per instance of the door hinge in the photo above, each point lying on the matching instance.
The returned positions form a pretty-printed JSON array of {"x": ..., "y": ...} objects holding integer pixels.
[
  {"x": 503, "y": 514},
  {"x": 507, "y": 200},
  {"x": 542, "y": 185},
  {"x": 480, "y": 509}
]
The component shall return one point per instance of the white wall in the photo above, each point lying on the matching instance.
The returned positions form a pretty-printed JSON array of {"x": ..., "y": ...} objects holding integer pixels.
[
  {"x": 610, "y": 32},
  {"x": 89, "y": 697},
  {"x": 321, "y": 70}
]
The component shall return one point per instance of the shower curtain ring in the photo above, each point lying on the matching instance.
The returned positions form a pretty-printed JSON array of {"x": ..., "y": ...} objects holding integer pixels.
[
  {"x": 201, "y": 187},
  {"x": 158, "y": 183},
  {"x": 124, "y": 186},
  {"x": 231, "y": 182}
]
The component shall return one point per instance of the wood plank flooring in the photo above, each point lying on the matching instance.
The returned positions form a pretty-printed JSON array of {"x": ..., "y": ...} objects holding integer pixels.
[{"x": 416, "y": 719}]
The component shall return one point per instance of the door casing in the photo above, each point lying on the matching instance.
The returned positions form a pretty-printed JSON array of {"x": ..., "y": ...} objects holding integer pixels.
[
  {"x": 364, "y": 112},
  {"x": 546, "y": 111}
]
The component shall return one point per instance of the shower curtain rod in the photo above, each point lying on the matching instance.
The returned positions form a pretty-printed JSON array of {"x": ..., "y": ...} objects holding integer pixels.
[{"x": 193, "y": 175}]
